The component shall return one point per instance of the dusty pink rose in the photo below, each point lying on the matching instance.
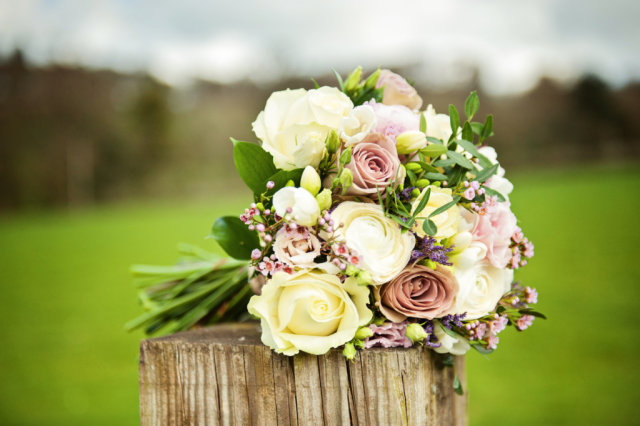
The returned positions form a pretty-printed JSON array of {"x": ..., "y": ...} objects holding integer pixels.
[
  {"x": 494, "y": 230},
  {"x": 399, "y": 117},
  {"x": 296, "y": 247},
  {"x": 374, "y": 164},
  {"x": 388, "y": 335},
  {"x": 418, "y": 292},
  {"x": 397, "y": 91}
]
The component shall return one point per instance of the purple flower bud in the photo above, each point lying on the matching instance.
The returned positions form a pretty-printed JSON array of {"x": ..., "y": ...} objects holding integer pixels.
[
  {"x": 270, "y": 184},
  {"x": 267, "y": 212},
  {"x": 327, "y": 217},
  {"x": 321, "y": 221},
  {"x": 289, "y": 210},
  {"x": 331, "y": 223},
  {"x": 255, "y": 254},
  {"x": 273, "y": 257},
  {"x": 252, "y": 228},
  {"x": 330, "y": 229},
  {"x": 260, "y": 227},
  {"x": 268, "y": 238},
  {"x": 343, "y": 266}
]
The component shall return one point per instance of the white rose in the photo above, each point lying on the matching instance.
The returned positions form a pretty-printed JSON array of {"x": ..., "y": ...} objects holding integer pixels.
[
  {"x": 438, "y": 125},
  {"x": 481, "y": 284},
  {"x": 453, "y": 345},
  {"x": 384, "y": 249},
  {"x": 497, "y": 181},
  {"x": 447, "y": 221},
  {"x": 310, "y": 312},
  {"x": 295, "y": 123},
  {"x": 297, "y": 248},
  {"x": 304, "y": 207},
  {"x": 360, "y": 122}
]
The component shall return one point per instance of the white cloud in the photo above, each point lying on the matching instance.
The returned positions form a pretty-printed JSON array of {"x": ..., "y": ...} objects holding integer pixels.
[{"x": 512, "y": 42}]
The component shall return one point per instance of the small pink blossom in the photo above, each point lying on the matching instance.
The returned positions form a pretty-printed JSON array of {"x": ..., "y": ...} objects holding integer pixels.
[
  {"x": 492, "y": 342},
  {"x": 475, "y": 185},
  {"x": 515, "y": 260},
  {"x": 525, "y": 322},
  {"x": 480, "y": 330},
  {"x": 499, "y": 324},
  {"x": 532, "y": 295},
  {"x": 517, "y": 236},
  {"x": 469, "y": 194},
  {"x": 528, "y": 249},
  {"x": 255, "y": 254}
]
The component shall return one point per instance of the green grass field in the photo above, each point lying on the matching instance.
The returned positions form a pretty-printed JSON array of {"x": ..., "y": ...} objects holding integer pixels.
[{"x": 66, "y": 293}]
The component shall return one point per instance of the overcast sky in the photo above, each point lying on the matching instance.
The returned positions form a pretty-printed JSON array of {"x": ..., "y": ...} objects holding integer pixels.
[{"x": 512, "y": 42}]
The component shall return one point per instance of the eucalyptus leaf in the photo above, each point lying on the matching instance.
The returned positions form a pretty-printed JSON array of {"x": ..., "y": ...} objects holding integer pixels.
[
  {"x": 457, "y": 386},
  {"x": 460, "y": 159},
  {"x": 412, "y": 177},
  {"x": 399, "y": 220},
  {"x": 457, "y": 174},
  {"x": 449, "y": 361},
  {"x": 435, "y": 140},
  {"x": 423, "y": 123},
  {"x": 492, "y": 192},
  {"x": 427, "y": 167},
  {"x": 454, "y": 119},
  {"x": 533, "y": 313},
  {"x": 485, "y": 174},
  {"x": 445, "y": 207},
  {"x": 423, "y": 202},
  {"x": 449, "y": 332},
  {"x": 433, "y": 150},
  {"x": 467, "y": 131},
  {"x": 254, "y": 164},
  {"x": 434, "y": 176},
  {"x": 234, "y": 237},
  {"x": 339, "y": 79},
  {"x": 472, "y": 105},
  {"x": 444, "y": 163},
  {"x": 482, "y": 349},
  {"x": 429, "y": 227},
  {"x": 487, "y": 129}
]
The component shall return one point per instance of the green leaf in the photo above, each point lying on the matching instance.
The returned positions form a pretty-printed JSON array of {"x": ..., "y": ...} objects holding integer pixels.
[
  {"x": 339, "y": 80},
  {"x": 471, "y": 149},
  {"x": 444, "y": 163},
  {"x": 528, "y": 311},
  {"x": 467, "y": 131},
  {"x": 433, "y": 150},
  {"x": 501, "y": 309},
  {"x": 427, "y": 167},
  {"x": 234, "y": 237},
  {"x": 485, "y": 174},
  {"x": 435, "y": 140},
  {"x": 477, "y": 128},
  {"x": 317, "y": 86},
  {"x": 487, "y": 129},
  {"x": 399, "y": 221},
  {"x": 412, "y": 177},
  {"x": 430, "y": 229},
  {"x": 423, "y": 202},
  {"x": 281, "y": 178},
  {"x": 493, "y": 192},
  {"x": 482, "y": 349},
  {"x": 449, "y": 332},
  {"x": 445, "y": 207},
  {"x": 423, "y": 123},
  {"x": 471, "y": 105},
  {"x": 460, "y": 159},
  {"x": 254, "y": 164},
  {"x": 454, "y": 119},
  {"x": 456, "y": 175},
  {"x": 457, "y": 386},
  {"x": 449, "y": 361},
  {"x": 434, "y": 176}
]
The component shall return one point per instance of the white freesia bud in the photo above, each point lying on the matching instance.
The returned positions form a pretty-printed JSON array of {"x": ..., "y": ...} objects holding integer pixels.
[
  {"x": 303, "y": 205},
  {"x": 360, "y": 122},
  {"x": 311, "y": 180},
  {"x": 460, "y": 242},
  {"x": 410, "y": 141},
  {"x": 453, "y": 345}
]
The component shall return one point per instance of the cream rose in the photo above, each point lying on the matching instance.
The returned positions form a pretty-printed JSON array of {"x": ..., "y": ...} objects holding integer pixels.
[
  {"x": 295, "y": 124},
  {"x": 497, "y": 181},
  {"x": 310, "y": 312},
  {"x": 360, "y": 122},
  {"x": 438, "y": 125},
  {"x": 304, "y": 206},
  {"x": 481, "y": 284},
  {"x": 447, "y": 221},
  {"x": 453, "y": 345},
  {"x": 384, "y": 249}
]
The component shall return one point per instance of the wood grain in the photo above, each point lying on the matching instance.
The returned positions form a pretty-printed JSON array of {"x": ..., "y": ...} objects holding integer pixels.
[{"x": 224, "y": 375}]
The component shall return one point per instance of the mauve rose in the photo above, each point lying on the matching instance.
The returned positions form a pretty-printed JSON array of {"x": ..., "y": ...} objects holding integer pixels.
[
  {"x": 494, "y": 230},
  {"x": 418, "y": 292},
  {"x": 297, "y": 247},
  {"x": 400, "y": 117},
  {"x": 397, "y": 91},
  {"x": 388, "y": 335},
  {"x": 374, "y": 164}
]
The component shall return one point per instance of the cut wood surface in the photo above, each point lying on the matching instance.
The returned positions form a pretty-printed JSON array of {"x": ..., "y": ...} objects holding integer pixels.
[{"x": 224, "y": 375}]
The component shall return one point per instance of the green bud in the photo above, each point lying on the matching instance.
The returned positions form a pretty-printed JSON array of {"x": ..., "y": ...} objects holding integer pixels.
[
  {"x": 371, "y": 81},
  {"x": 359, "y": 344},
  {"x": 429, "y": 263},
  {"x": 324, "y": 199},
  {"x": 411, "y": 141},
  {"x": 422, "y": 183},
  {"x": 378, "y": 321},
  {"x": 416, "y": 333},
  {"x": 311, "y": 180},
  {"x": 353, "y": 80},
  {"x": 438, "y": 183},
  {"x": 351, "y": 270},
  {"x": 345, "y": 157},
  {"x": 346, "y": 178},
  {"x": 332, "y": 142},
  {"x": 414, "y": 167},
  {"x": 415, "y": 193},
  {"x": 290, "y": 183},
  {"x": 260, "y": 207},
  {"x": 363, "y": 333},
  {"x": 349, "y": 351},
  {"x": 364, "y": 277}
]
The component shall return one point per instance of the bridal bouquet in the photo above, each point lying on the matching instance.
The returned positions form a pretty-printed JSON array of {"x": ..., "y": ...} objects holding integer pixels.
[{"x": 375, "y": 222}]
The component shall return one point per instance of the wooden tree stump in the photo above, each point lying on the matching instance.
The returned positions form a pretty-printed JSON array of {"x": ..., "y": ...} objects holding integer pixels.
[{"x": 224, "y": 375}]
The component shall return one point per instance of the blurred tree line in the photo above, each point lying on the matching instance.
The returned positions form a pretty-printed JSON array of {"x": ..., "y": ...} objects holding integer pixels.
[{"x": 74, "y": 137}]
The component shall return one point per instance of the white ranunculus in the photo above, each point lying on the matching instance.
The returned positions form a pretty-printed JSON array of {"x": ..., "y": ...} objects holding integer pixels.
[
  {"x": 304, "y": 207},
  {"x": 384, "y": 249},
  {"x": 447, "y": 221},
  {"x": 498, "y": 181},
  {"x": 452, "y": 345},
  {"x": 481, "y": 284},
  {"x": 438, "y": 125},
  {"x": 297, "y": 248},
  {"x": 360, "y": 122},
  {"x": 310, "y": 312},
  {"x": 295, "y": 123}
]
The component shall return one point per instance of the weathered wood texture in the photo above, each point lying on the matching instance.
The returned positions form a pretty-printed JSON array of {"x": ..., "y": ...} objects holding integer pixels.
[{"x": 224, "y": 375}]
